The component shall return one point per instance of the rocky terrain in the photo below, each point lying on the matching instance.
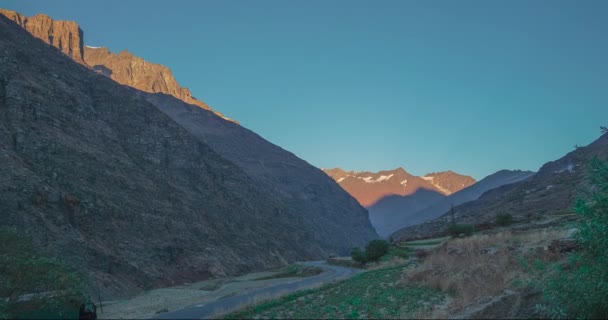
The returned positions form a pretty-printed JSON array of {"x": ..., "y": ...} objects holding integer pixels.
[
  {"x": 550, "y": 192},
  {"x": 306, "y": 190},
  {"x": 100, "y": 177},
  {"x": 124, "y": 68},
  {"x": 370, "y": 187},
  {"x": 64, "y": 35}
]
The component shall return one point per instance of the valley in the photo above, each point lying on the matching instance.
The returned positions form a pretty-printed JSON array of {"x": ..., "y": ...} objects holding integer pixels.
[{"x": 124, "y": 196}]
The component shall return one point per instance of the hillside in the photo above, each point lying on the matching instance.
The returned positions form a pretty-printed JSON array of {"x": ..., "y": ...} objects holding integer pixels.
[
  {"x": 305, "y": 190},
  {"x": 392, "y": 213},
  {"x": 103, "y": 179},
  {"x": 551, "y": 191}
]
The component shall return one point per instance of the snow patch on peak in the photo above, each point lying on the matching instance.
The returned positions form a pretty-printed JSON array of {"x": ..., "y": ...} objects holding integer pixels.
[
  {"x": 340, "y": 180},
  {"x": 382, "y": 178},
  {"x": 428, "y": 178},
  {"x": 404, "y": 183}
]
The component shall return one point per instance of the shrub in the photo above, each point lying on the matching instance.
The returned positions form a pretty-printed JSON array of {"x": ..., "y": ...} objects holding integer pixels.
[
  {"x": 358, "y": 255},
  {"x": 375, "y": 249},
  {"x": 581, "y": 289},
  {"x": 462, "y": 229},
  {"x": 504, "y": 219}
]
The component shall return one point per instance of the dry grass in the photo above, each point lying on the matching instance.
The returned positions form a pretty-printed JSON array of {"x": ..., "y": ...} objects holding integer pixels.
[{"x": 482, "y": 265}]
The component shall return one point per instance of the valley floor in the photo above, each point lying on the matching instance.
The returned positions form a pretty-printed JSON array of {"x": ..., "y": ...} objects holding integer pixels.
[
  {"x": 210, "y": 298},
  {"x": 486, "y": 275}
]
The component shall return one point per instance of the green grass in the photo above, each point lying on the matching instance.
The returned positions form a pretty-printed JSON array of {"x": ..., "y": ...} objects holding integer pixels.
[
  {"x": 395, "y": 251},
  {"x": 373, "y": 294}
]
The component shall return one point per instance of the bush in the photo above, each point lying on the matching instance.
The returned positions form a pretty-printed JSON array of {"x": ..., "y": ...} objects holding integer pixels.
[
  {"x": 375, "y": 249},
  {"x": 581, "y": 289},
  {"x": 504, "y": 219},
  {"x": 462, "y": 229},
  {"x": 358, "y": 256}
]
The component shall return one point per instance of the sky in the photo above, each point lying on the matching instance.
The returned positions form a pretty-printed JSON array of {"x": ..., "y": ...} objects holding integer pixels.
[{"x": 468, "y": 86}]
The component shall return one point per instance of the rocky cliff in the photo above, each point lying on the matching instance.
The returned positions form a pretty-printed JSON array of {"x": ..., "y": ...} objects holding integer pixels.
[
  {"x": 64, "y": 35},
  {"x": 124, "y": 68},
  {"x": 102, "y": 178}
]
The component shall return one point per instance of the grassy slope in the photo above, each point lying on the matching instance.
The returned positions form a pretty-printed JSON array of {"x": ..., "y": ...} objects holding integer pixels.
[{"x": 373, "y": 294}]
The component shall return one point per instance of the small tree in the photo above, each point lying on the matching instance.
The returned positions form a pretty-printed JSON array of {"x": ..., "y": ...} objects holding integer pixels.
[
  {"x": 581, "y": 290},
  {"x": 358, "y": 255},
  {"x": 375, "y": 249}
]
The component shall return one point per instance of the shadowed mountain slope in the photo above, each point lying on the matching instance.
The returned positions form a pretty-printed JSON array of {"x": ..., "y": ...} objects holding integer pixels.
[
  {"x": 392, "y": 213},
  {"x": 551, "y": 191},
  {"x": 306, "y": 190},
  {"x": 103, "y": 179}
]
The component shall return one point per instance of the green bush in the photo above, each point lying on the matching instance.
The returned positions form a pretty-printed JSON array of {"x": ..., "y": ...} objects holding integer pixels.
[
  {"x": 504, "y": 219},
  {"x": 462, "y": 229},
  {"x": 358, "y": 255},
  {"x": 581, "y": 289},
  {"x": 375, "y": 249}
]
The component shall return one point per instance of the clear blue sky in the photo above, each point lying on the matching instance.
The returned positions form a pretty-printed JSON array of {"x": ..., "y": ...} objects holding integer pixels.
[{"x": 471, "y": 86}]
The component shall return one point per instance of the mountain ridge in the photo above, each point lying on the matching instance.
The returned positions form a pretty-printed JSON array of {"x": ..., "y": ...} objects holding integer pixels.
[
  {"x": 370, "y": 187},
  {"x": 550, "y": 191},
  {"x": 103, "y": 179},
  {"x": 124, "y": 67}
]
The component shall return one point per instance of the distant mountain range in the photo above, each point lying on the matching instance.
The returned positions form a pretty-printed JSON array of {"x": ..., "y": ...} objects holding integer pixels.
[
  {"x": 370, "y": 187},
  {"x": 396, "y": 199},
  {"x": 140, "y": 188},
  {"x": 551, "y": 191}
]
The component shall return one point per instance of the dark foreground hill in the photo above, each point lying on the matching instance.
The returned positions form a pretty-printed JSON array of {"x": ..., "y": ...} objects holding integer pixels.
[
  {"x": 103, "y": 179},
  {"x": 550, "y": 192}
]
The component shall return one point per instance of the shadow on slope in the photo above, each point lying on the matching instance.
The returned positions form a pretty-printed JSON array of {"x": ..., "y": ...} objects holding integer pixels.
[{"x": 389, "y": 213}]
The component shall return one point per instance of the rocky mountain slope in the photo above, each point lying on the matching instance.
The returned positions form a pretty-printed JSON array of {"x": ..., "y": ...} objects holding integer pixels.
[
  {"x": 370, "y": 187},
  {"x": 124, "y": 68},
  {"x": 552, "y": 191},
  {"x": 394, "y": 213},
  {"x": 100, "y": 177}
]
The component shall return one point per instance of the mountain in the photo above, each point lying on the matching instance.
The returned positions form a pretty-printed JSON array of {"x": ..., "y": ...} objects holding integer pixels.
[
  {"x": 124, "y": 68},
  {"x": 370, "y": 187},
  {"x": 102, "y": 178},
  {"x": 551, "y": 191},
  {"x": 64, "y": 35},
  {"x": 392, "y": 214}
]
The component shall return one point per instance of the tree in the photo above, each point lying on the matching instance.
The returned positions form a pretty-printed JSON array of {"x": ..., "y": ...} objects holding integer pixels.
[
  {"x": 581, "y": 290},
  {"x": 375, "y": 249},
  {"x": 358, "y": 255},
  {"x": 31, "y": 281}
]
